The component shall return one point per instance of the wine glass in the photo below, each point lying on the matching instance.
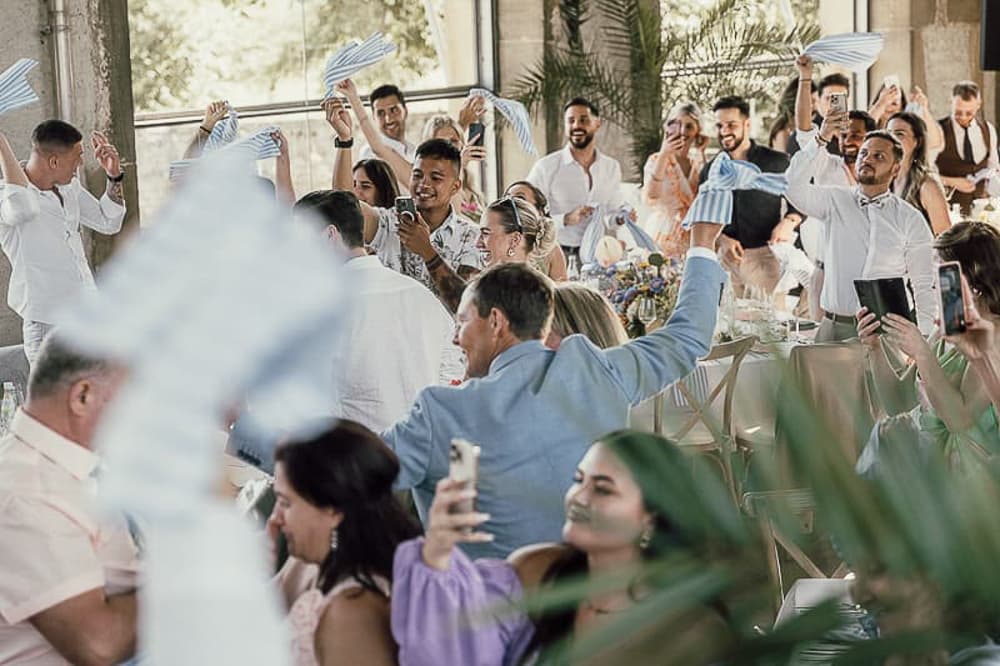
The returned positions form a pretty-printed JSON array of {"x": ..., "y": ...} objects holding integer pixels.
[
  {"x": 573, "y": 267},
  {"x": 646, "y": 310}
]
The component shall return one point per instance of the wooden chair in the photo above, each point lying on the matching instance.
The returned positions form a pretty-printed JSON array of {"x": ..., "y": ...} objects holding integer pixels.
[{"x": 699, "y": 430}]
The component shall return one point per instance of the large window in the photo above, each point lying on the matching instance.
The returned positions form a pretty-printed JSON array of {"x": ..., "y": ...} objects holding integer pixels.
[{"x": 266, "y": 57}]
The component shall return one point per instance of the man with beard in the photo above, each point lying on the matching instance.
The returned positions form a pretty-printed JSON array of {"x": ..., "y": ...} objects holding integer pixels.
[
  {"x": 759, "y": 218},
  {"x": 389, "y": 109},
  {"x": 970, "y": 147},
  {"x": 578, "y": 178},
  {"x": 871, "y": 232}
]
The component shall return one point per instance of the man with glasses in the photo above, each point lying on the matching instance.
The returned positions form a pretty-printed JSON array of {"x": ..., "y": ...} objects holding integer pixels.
[{"x": 969, "y": 160}]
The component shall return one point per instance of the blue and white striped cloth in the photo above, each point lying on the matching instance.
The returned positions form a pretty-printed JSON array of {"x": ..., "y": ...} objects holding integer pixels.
[
  {"x": 225, "y": 131},
  {"x": 605, "y": 224},
  {"x": 714, "y": 202},
  {"x": 354, "y": 57},
  {"x": 15, "y": 91},
  {"x": 515, "y": 113},
  {"x": 258, "y": 146},
  {"x": 855, "y": 50}
]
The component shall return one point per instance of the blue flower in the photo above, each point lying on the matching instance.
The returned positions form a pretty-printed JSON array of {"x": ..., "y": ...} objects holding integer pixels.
[
  {"x": 631, "y": 292},
  {"x": 656, "y": 285}
]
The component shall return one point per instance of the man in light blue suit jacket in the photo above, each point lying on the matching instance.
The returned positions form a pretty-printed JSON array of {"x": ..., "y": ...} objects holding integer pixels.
[{"x": 535, "y": 411}]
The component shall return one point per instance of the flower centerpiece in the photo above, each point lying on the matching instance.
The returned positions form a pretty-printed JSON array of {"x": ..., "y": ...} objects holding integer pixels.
[{"x": 627, "y": 284}]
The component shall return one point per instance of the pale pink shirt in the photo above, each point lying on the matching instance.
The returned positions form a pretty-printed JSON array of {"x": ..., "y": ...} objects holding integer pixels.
[{"x": 53, "y": 545}]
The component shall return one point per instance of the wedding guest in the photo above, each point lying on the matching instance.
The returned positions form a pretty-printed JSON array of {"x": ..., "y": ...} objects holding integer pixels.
[
  {"x": 580, "y": 309},
  {"x": 916, "y": 183},
  {"x": 372, "y": 180},
  {"x": 670, "y": 178},
  {"x": 758, "y": 218},
  {"x": 67, "y": 570},
  {"x": 336, "y": 509},
  {"x": 871, "y": 232},
  {"x": 809, "y": 114},
  {"x": 532, "y": 409},
  {"x": 578, "y": 178},
  {"x": 978, "y": 343},
  {"x": 448, "y": 607},
  {"x": 389, "y": 108},
  {"x": 383, "y": 365},
  {"x": 556, "y": 265},
  {"x": 470, "y": 200},
  {"x": 890, "y": 101},
  {"x": 955, "y": 415},
  {"x": 970, "y": 148},
  {"x": 783, "y": 125},
  {"x": 214, "y": 112},
  {"x": 511, "y": 231},
  {"x": 42, "y": 207}
]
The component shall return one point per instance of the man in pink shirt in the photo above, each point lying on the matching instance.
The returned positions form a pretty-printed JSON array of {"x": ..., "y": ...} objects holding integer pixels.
[{"x": 67, "y": 574}]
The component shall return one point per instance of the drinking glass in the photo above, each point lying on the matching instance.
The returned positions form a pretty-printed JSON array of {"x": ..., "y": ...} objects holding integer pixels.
[{"x": 646, "y": 310}]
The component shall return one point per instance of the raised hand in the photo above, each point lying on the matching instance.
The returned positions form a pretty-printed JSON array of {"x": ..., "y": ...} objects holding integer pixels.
[
  {"x": 472, "y": 153},
  {"x": 214, "y": 112},
  {"x": 106, "y": 154},
  {"x": 415, "y": 235},
  {"x": 473, "y": 109},
  {"x": 338, "y": 117},
  {"x": 804, "y": 64},
  {"x": 446, "y": 529},
  {"x": 979, "y": 338},
  {"x": 905, "y": 335},
  {"x": 868, "y": 326},
  {"x": 834, "y": 124},
  {"x": 279, "y": 138},
  {"x": 349, "y": 90}
]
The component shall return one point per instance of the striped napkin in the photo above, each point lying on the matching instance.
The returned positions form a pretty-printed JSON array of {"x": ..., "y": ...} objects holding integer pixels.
[
  {"x": 714, "y": 202},
  {"x": 354, "y": 57},
  {"x": 225, "y": 131},
  {"x": 15, "y": 91},
  {"x": 606, "y": 224},
  {"x": 259, "y": 145},
  {"x": 855, "y": 50},
  {"x": 515, "y": 113}
]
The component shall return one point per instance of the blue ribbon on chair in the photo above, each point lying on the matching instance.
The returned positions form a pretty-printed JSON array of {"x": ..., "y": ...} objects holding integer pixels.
[
  {"x": 15, "y": 91},
  {"x": 515, "y": 113},
  {"x": 602, "y": 224},
  {"x": 354, "y": 57},
  {"x": 855, "y": 50},
  {"x": 714, "y": 202}
]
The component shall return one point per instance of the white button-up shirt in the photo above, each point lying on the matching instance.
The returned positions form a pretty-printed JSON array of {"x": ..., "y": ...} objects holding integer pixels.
[
  {"x": 399, "y": 342},
  {"x": 54, "y": 543},
  {"x": 40, "y": 234},
  {"x": 866, "y": 239},
  {"x": 404, "y": 148},
  {"x": 978, "y": 142},
  {"x": 565, "y": 183}
]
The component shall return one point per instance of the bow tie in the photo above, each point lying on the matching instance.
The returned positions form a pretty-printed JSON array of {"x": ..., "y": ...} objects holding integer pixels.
[{"x": 876, "y": 201}]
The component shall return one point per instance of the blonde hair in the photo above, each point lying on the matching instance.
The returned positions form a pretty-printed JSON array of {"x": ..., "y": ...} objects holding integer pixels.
[
  {"x": 539, "y": 231},
  {"x": 435, "y": 123},
  {"x": 580, "y": 309},
  {"x": 685, "y": 109}
]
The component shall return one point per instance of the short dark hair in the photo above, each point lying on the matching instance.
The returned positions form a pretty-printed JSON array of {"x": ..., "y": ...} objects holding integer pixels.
[
  {"x": 897, "y": 147},
  {"x": 439, "y": 149},
  {"x": 55, "y": 135},
  {"x": 386, "y": 90},
  {"x": 834, "y": 79},
  {"x": 541, "y": 201},
  {"x": 59, "y": 365},
  {"x": 339, "y": 209},
  {"x": 350, "y": 469},
  {"x": 967, "y": 90},
  {"x": 733, "y": 102},
  {"x": 583, "y": 101},
  {"x": 524, "y": 295},
  {"x": 383, "y": 178},
  {"x": 870, "y": 124}
]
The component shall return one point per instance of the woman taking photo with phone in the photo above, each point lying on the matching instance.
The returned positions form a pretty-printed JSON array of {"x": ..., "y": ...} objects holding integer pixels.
[
  {"x": 634, "y": 499},
  {"x": 953, "y": 416},
  {"x": 671, "y": 178}
]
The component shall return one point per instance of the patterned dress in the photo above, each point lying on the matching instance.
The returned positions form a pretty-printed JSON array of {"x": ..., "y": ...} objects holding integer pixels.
[{"x": 676, "y": 192}]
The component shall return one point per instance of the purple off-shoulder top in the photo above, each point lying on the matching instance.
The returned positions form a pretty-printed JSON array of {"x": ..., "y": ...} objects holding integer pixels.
[{"x": 455, "y": 616}]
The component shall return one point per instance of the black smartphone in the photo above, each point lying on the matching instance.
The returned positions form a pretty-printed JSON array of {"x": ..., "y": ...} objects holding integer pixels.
[
  {"x": 477, "y": 134},
  {"x": 952, "y": 303},
  {"x": 406, "y": 205}
]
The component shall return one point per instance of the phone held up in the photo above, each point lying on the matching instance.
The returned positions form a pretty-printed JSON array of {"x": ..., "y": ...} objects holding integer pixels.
[
  {"x": 405, "y": 206},
  {"x": 838, "y": 102},
  {"x": 463, "y": 467},
  {"x": 952, "y": 303},
  {"x": 477, "y": 134}
]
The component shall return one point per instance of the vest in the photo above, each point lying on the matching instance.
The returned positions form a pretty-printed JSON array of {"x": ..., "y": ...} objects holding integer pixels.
[{"x": 950, "y": 163}]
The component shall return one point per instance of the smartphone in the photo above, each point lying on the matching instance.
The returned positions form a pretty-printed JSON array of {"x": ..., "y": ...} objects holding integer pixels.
[
  {"x": 405, "y": 205},
  {"x": 463, "y": 467},
  {"x": 890, "y": 81},
  {"x": 952, "y": 303},
  {"x": 838, "y": 102},
  {"x": 477, "y": 134}
]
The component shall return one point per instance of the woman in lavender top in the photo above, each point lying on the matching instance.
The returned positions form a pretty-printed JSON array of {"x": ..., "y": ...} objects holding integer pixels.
[{"x": 630, "y": 501}]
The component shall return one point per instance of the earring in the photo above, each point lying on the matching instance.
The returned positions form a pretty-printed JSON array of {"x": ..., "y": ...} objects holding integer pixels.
[
  {"x": 334, "y": 540},
  {"x": 645, "y": 538},
  {"x": 510, "y": 252}
]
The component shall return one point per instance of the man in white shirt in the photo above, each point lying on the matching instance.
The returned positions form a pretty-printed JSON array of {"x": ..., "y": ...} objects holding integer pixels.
[
  {"x": 400, "y": 336},
  {"x": 389, "y": 108},
  {"x": 42, "y": 207},
  {"x": 968, "y": 164},
  {"x": 871, "y": 232},
  {"x": 67, "y": 571},
  {"x": 578, "y": 178}
]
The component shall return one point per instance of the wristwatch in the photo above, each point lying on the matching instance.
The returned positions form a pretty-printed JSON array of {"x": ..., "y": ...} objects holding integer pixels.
[
  {"x": 337, "y": 143},
  {"x": 117, "y": 179}
]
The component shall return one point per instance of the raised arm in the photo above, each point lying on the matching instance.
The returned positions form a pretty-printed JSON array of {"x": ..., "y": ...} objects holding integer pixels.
[
  {"x": 803, "y": 97},
  {"x": 343, "y": 162},
  {"x": 214, "y": 112},
  {"x": 400, "y": 165},
  {"x": 809, "y": 199},
  {"x": 104, "y": 216},
  {"x": 18, "y": 203},
  {"x": 935, "y": 135},
  {"x": 284, "y": 190}
]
